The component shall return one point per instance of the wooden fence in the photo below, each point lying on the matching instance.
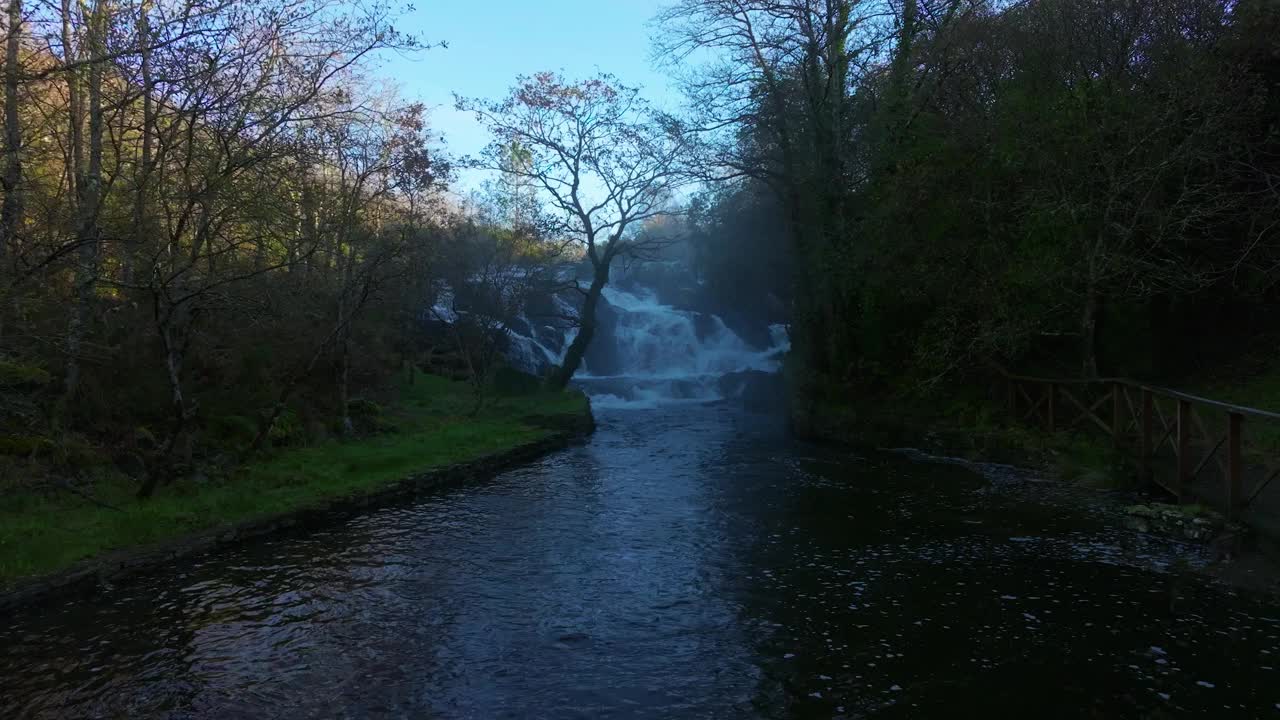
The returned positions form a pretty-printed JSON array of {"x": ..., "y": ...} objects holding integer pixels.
[{"x": 1202, "y": 435}]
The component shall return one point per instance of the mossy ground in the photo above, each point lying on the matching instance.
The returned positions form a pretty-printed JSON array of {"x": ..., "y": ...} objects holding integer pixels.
[
  {"x": 430, "y": 425},
  {"x": 1259, "y": 390},
  {"x": 966, "y": 420}
]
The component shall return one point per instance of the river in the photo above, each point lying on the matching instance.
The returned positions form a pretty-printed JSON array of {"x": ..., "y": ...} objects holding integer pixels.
[{"x": 686, "y": 561}]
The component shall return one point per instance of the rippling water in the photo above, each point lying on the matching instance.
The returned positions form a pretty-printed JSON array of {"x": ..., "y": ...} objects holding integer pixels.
[{"x": 683, "y": 563}]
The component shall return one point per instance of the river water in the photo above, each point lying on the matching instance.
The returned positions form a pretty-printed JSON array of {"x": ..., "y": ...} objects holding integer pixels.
[{"x": 687, "y": 561}]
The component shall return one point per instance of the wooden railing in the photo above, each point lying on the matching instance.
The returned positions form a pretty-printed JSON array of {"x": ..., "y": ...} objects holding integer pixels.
[{"x": 1145, "y": 419}]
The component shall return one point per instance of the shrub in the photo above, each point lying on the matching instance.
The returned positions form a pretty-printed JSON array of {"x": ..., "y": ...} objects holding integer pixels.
[
  {"x": 14, "y": 374},
  {"x": 363, "y": 409},
  {"x": 287, "y": 429},
  {"x": 76, "y": 452},
  {"x": 232, "y": 429},
  {"x": 25, "y": 445},
  {"x": 508, "y": 381}
]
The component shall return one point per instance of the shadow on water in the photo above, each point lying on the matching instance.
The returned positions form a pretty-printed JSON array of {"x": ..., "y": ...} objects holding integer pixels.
[{"x": 689, "y": 561}]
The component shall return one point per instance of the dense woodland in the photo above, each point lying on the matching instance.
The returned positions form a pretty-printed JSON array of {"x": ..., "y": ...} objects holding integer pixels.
[
  {"x": 220, "y": 232},
  {"x": 1070, "y": 186},
  {"x": 218, "y": 228}
]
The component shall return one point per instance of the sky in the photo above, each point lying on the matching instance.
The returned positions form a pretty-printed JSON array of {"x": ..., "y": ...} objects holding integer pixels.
[{"x": 491, "y": 42}]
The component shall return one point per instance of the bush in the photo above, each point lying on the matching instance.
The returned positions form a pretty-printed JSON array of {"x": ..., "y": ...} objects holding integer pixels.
[
  {"x": 508, "y": 381},
  {"x": 76, "y": 452},
  {"x": 17, "y": 375},
  {"x": 71, "y": 451},
  {"x": 363, "y": 409},
  {"x": 287, "y": 429},
  {"x": 25, "y": 445},
  {"x": 144, "y": 439},
  {"x": 231, "y": 429},
  {"x": 367, "y": 416}
]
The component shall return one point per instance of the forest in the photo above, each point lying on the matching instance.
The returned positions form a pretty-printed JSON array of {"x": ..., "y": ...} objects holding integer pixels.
[
  {"x": 639, "y": 358},
  {"x": 216, "y": 229},
  {"x": 222, "y": 232},
  {"x": 1076, "y": 187}
]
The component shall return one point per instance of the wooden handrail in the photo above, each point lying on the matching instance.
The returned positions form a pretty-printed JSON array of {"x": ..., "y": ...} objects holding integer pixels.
[
  {"x": 1182, "y": 426},
  {"x": 1156, "y": 389}
]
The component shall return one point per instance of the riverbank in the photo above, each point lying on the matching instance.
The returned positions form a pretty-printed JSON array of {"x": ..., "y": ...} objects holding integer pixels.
[
  {"x": 583, "y": 580},
  {"x": 961, "y": 427},
  {"x": 53, "y": 540},
  {"x": 967, "y": 421},
  {"x": 964, "y": 426}
]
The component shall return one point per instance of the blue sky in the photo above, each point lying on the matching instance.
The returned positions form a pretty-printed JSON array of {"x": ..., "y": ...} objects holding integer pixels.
[{"x": 493, "y": 41}]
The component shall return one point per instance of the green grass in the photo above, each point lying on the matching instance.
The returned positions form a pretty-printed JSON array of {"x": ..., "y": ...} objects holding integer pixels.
[
  {"x": 42, "y": 533},
  {"x": 964, "y": 422},
  {"x": 1258, "y": 389}
]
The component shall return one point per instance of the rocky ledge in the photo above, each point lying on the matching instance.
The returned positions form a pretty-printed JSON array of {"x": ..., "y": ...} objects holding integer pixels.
[{"x": 1187, "y": 522}]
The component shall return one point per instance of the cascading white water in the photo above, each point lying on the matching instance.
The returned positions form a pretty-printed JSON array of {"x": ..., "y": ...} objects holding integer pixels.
[
  {"x": 533, "y": 347},
  {"x": 660, "y": 341},
  {"x": 645, "y": 352},
  {"x": 665, "y": 354}
]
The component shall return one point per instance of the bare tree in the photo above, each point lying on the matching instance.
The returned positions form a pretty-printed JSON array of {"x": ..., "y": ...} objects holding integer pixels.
[
  {"x": 492, "y": 272},
  {"x": 224, "y": 140},
  {"x": 601, "y": 159},
  {"x": 11, "y": 176}
]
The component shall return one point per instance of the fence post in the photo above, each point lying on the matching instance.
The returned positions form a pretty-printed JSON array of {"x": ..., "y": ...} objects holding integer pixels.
[
  {"x": 1148, "y": 416},
  {"x": 1184, "y": 449},
  {"x": 1235, "y": 469},
  {"x": 1118, "y": 422},
  {"x": 1053, "y": 397}
]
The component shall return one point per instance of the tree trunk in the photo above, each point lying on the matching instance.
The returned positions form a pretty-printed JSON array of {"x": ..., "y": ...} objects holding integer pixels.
[
  {"x": 1089, "y": 333},
  {"x": 346, "y": 428},
  {"x": 11, "y": 177},
  {"x": 561, "y": 376},
  {"x": 900, "y": 80},
  {"x": 11, "y": 213},
  {"x": 75, "y": 108},
  {"x": 267, "y": 421},
  {"x": 170, "y": 327},
  {"x": 141, "y": 218},
  {"x": 308, "y": 237},
  {"x": 89, "y": 198}
]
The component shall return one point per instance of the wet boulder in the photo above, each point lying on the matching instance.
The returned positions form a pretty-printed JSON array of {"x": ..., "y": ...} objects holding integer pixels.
[
  {"x": 758, "y": 391},
  {"x": 705, "y": 326},
  {"x": 1186, "y": 522},
  {"x": 670, "y": 283},
  {"x": 603, "y": 355}
]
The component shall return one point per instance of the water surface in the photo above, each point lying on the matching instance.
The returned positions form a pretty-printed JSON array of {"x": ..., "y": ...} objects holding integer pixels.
[{"x": 685, "y": 562}]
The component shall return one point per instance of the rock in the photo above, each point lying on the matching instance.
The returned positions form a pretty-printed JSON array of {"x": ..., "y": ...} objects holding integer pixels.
[
  {"x": 705, "y": 325},
  {"x": 131, "y": 464},
  {"x": 758, "y": 391},
  {"x": 752, "y": 329},
  {"x": 1188, "y": 522},
  {"x": 1135, "y": 522},
  {"x": 602, "y": 356}
]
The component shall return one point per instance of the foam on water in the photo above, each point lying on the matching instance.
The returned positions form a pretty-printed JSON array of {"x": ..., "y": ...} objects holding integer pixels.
[{"x": 666, "y": 354}]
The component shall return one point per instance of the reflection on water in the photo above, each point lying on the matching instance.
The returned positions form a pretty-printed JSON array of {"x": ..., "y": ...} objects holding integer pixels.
[{"x": 688, "y": 562}]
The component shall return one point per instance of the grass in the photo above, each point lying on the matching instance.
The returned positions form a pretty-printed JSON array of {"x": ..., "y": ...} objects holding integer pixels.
[
  {"x": 1259, "y": 389},
  {"x": 43, "y": 533},
  {"x": 964, "y": 422}
]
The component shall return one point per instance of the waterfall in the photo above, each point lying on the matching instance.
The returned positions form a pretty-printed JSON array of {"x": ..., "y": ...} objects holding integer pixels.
[{"x": 646, "y": 353}]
